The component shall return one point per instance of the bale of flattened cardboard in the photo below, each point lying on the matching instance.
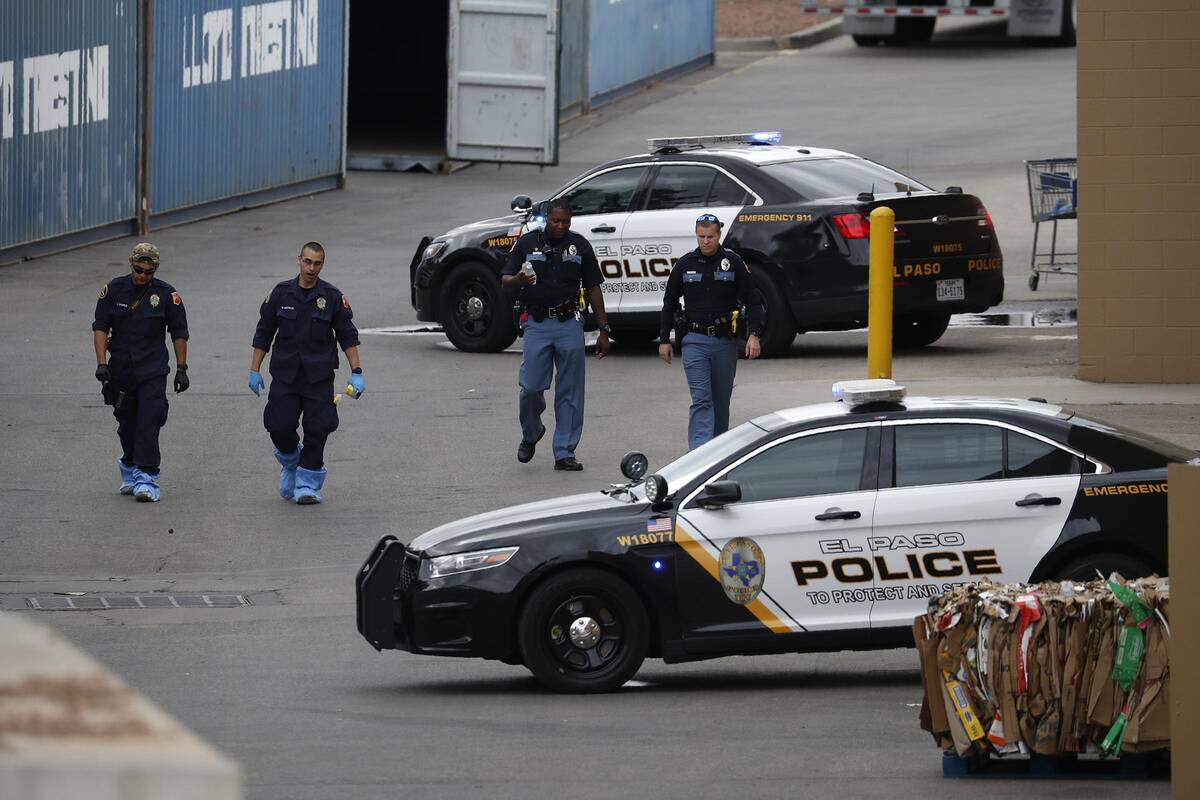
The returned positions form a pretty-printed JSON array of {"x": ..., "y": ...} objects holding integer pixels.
[{"x": 1051, "y": 668}]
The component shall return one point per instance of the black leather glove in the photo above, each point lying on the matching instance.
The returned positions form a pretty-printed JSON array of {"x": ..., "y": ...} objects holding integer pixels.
[
  {"x": 102, "y": 373},
  {"x": 181, "y": 379}
]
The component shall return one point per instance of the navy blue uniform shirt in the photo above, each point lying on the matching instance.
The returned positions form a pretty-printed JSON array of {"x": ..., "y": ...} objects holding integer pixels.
[
  {"x": 137, "y": 322},
  {"x": 561, "y": 267},
  {"x": 306, "y": 330},
  {"x": 711, "y": 288}
]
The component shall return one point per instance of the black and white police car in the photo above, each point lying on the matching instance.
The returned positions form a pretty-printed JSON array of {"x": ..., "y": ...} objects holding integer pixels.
[
  {"x": 824, "y": 527},
  {"x": 798, "y": 216}
]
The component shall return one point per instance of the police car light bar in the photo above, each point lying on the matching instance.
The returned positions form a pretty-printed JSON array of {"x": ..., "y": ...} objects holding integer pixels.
[
  {"x": 680, "y": 142},
  {"x": 876, "y": 390}
]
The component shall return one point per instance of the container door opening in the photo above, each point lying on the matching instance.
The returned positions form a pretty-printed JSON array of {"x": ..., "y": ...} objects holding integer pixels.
[{"x": 398, "y": 85}]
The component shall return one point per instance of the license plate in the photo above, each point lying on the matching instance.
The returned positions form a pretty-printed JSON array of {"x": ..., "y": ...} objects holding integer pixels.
[{"x": 952, "y": 289}]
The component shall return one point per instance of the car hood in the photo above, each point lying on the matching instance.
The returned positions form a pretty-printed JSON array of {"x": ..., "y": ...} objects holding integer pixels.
[
  {"x": 484, "y": 227},
  {"x": 507, "y": 524}
]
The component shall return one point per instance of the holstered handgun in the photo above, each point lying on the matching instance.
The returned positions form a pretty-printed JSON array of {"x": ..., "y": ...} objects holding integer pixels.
[
  {"x": 681, "y": 328},
  {"x": 112, "y": 396}
]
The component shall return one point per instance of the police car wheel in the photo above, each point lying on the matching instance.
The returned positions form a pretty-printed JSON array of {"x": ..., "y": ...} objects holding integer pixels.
[
  {"x": 867, "y": 41},
  {"x": 919, "y": 331},
  {"x": 778, "y": 330},
  {"x": 583, "y": 631},
  {"x": 1084, "y": 568},
  {"x": 475, "y": 314}
]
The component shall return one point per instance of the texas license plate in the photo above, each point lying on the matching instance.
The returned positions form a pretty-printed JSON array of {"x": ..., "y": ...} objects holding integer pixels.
[{"x": 952, "y": 289}]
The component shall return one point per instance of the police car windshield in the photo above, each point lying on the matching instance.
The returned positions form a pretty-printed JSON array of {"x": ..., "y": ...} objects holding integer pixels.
[
  {"x": 819, "y": 178},
  {"x": 687, "y": 467}
]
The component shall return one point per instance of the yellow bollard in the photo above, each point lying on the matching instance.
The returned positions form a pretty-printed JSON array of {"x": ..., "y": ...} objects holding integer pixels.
[{"x": 879, "y": 303}]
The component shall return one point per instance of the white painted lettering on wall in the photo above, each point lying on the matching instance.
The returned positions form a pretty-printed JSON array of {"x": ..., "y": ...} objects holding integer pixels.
[
  {"x": 6, "y": 99},
  {"x": 273, "y": 37},
  {"x": 208, "y": 48},
  {"x": 61, "y": 90}
]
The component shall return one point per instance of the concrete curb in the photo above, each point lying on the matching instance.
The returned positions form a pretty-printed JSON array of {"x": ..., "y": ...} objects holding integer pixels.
[
  {"x": 792, "y": 41},
  {"x": 71, "y": 729}
]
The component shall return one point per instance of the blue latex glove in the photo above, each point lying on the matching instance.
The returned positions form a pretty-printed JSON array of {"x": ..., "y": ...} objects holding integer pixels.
[
  {"x": 256, "y": 382},
  {"x": 359, "y": 385}
]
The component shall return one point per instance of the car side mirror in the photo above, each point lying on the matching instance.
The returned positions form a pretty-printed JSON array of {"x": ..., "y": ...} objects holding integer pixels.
[
  {"x": 521, "y": 204},
  {"x": 719, "y": 494},
  {"x": 634, "y": 465}
]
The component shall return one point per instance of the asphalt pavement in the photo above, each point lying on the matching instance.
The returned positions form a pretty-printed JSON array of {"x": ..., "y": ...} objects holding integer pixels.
[{"x": 285, "y": 685}]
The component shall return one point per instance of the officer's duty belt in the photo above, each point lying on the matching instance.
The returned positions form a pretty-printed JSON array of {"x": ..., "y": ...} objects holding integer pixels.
[
  {"x": 564, "y": 310},
  {"x": 718, "y": 328}
]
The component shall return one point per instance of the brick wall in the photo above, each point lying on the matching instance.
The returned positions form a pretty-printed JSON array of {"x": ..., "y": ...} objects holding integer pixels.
[{"x": 1139, "y": 190}]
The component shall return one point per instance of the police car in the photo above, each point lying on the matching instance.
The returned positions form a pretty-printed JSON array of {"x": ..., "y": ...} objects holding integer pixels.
[
  {"x": 798, "y": 216},
  {"x": 825, "y": 527}
]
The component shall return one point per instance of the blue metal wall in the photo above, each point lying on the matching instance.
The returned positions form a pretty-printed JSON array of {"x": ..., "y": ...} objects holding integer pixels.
[
  {"x": 68, "y": 116},
  {"x": 245, "y": 97},
  {"x": 633, "y": 40},
  {"x": 572, "y": 53}
]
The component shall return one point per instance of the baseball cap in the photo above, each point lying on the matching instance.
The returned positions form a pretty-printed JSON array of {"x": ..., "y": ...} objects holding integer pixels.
[{"x": 144, "y": 251}]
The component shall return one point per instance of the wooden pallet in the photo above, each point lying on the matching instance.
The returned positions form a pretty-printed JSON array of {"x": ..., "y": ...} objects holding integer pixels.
[{"x": 1131, "y": 766}]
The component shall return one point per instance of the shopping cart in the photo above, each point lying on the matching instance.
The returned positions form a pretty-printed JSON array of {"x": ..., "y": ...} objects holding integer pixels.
[{"x": 1053, "y": 192}]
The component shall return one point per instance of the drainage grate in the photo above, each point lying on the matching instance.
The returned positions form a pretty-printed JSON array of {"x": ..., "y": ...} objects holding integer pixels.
[{"x": 100, "y": 602}]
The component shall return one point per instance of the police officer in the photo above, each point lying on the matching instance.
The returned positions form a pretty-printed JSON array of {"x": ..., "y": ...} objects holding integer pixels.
[
  {"x": 307, "y": 319},
  {"x": 713, "y": 282},
  {"x": 137, "y": 310},
  {"x": 548, "y": 266}
]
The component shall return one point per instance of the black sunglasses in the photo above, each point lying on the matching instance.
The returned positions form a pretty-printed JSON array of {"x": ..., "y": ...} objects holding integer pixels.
[
  {"x": 708, "y": 218},
  {"x": 141, "y": 271}
]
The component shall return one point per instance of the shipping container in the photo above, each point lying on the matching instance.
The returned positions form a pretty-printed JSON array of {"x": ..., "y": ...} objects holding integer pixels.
[
  {"x": 246, "y": 104},
  {"x": 69, "y": 113},
  {"x": 632, "y": 43},
  {"x": 409, "y": 64}
]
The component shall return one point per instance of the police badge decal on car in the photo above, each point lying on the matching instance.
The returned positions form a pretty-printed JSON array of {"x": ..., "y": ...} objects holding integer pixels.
[{"x": 743, "y": 569}]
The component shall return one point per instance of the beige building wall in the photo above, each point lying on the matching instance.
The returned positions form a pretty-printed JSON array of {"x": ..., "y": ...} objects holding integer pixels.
[{"x": 1139, "y": 190}]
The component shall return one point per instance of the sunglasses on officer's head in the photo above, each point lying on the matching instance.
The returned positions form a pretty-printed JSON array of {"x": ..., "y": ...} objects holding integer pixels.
[
  {"x": 144, "y": 271},
  {"x": 708, "y": 218}
]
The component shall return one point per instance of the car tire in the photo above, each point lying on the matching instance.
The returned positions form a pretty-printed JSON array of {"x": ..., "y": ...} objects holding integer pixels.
[
  {"x": 475, "y": 314},
  {"x": 1066, "y": 36},
  {"x": 554, "y": 643},
  {"x": 867, "y": 41},
  {"x": 1085, "y": 567},
  {"x": 779, "y": 331},
  {"x": 912, "y": 332}
]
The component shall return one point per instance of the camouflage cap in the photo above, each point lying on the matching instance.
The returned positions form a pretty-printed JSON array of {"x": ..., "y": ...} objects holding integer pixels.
[{"x": 144, "y": 251}]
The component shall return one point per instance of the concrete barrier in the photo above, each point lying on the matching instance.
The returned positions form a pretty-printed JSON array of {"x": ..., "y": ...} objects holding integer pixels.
[{"x": 71, "y": 729}]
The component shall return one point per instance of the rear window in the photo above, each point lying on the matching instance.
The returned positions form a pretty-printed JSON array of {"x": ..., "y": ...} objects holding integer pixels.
[{"x": 815, "y": 179}]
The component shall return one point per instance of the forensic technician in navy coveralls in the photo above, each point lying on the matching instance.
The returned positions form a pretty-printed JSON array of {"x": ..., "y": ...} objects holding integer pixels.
[
  {"x": 306, "y": 319},
  {"x": 713, "y": 282},
  {"x": 133, "y": 315},
  {"x": 548, "y": 267}
]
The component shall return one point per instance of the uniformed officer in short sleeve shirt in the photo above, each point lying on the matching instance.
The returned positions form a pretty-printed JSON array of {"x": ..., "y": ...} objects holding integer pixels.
[
  {"x": 548, "y": 267},
  {"x": 134, "y": 314},
  {"x": 713, "y": 282},
  {"x": 305, "y": 319}
]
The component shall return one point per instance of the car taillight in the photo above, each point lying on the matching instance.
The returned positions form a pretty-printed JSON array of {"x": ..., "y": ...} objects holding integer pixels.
[
  {"x": 852, "y": 226},
  {"x": 986, "y": 222}
]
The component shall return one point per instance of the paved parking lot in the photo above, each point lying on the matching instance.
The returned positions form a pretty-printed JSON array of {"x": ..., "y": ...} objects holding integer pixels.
[{"x": 286, "y": 686}]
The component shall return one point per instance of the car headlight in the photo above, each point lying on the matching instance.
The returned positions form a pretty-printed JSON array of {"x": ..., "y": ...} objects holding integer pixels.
[
  {"x": 433, "y": 251},
  {"x": 442, "y": 566}
]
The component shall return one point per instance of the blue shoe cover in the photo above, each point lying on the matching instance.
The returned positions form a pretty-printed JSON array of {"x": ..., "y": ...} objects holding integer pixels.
[
  {"x": 145, "y": 487},
  {"x": 128, "y": 477},
  {"x": 308, "y": 485},
  {"x": 287, "y": 471}
]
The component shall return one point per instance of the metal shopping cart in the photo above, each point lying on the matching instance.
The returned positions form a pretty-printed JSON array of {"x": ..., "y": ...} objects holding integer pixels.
[{"x": 1053, "y": 192}]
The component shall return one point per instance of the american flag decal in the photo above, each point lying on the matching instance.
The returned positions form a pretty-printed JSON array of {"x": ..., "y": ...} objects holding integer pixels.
[{"x": 659, "y": 525}]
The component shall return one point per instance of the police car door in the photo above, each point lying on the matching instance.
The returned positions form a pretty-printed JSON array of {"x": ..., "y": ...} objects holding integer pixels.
[
  {"x": 803, "y": 507},
  {"x": 656, "y": 237},
  {"x": 957, "y": 510},
  {"x": 600, "y": 205}
]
